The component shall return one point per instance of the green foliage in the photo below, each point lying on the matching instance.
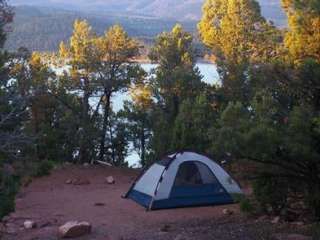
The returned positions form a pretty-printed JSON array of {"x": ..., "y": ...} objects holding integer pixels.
[
  {"x": 43, "y": 168},
  {"x": 315, "y": 231},
  {"x": 9, "y": 186},
  {"x": 227, "y": 135},
  {"x": 246, "y": 206},
  {"x": 192, "y": 124},
  {"x": 238, "y": 37},
  {"x": 265, "y": 194}
]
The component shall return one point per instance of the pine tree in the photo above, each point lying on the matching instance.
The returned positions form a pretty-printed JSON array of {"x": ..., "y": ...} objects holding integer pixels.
[
  {"x": 238, "y": 36},
  {"x": 303, "y": 38}
]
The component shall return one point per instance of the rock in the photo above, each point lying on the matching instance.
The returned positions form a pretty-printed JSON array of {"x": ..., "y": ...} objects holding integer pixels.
[
  {"x": 11, "y": 229},
  {"x": 110, "y": 180},
  {"x": 29, "y": 224},
  {"x": 86, "y": 165},
  {"x": 74, "y": 229},
  {"x": 227, "y": 211},
  {"x": 291, "y": 237},
  {"x": 298, "y": 237},
  {"x": 2, "y": 228},
  {"x": 262, "y": 218},
  {"x": 45, "y": 224},
  {"x": 179, "y": 237},
  {"x": 165, "y": 228},
  {"x": 80, "y": 182},
  {"x": 99, "y": 204},
  {"x": 5, "y": 219},
  {"x": 298, "y": 223},
  {"x": 276, "y": 220},
  {"x": 69, "y": 181}
]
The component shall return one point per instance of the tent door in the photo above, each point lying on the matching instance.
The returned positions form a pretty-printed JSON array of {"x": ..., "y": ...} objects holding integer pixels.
[{"x": 195, "y": 180}]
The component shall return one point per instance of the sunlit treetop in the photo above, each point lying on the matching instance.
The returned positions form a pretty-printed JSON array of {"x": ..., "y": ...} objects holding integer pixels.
[
  {"x": 173, "y": 48},
  {"x": 303, "y": 37},
  {"x": 235, "y": 30}
]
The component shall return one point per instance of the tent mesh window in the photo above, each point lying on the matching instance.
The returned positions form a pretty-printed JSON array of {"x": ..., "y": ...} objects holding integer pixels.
[
  {"x": 196, "y": 174},
  {"x": 188, "y": 175}
]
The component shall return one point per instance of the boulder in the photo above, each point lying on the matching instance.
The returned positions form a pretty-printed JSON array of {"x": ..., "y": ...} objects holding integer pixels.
[
  {"x": 29, "y": 224},
  {"x": 110, "y": 180},
  {"x": 74, "y": 229},
  {"x": 227, "y": 211}
]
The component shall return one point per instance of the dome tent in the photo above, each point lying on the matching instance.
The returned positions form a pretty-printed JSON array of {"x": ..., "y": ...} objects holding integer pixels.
[{"x": 183, "y": 179}]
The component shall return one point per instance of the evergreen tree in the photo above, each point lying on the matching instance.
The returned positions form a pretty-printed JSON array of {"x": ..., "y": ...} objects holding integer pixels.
[
  {"x": 238, "y": 36},
  {"x": 83, "y": 57},
  {"x": 302, "y": 39},
  {"x": 192, "y": 125},
  {"x": 115, "y": 71},
  {"x": 176, "y": 79}
]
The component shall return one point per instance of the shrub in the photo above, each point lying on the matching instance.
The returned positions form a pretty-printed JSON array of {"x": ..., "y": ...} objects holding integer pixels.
[
  {"x": 43, "y": 168},
  {"x": 316, "y": 231},
  {"x": 246, "y": 206},
  {"x": 271, "y": 192},
  {"x": 8, "y": 189}
]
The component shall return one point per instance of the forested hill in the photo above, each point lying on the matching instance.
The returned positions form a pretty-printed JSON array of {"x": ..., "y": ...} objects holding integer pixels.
[
  {"x": 175, "y": 9},
  {"x": 41, "y": 25},
  {"x": 42, "y": 28}
]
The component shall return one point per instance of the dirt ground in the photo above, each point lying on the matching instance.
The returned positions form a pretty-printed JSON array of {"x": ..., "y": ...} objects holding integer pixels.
[{"x": 51, "y": 202}]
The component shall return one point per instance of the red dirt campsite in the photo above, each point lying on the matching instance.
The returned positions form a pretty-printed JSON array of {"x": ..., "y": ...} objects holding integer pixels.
[{"x": 51, "y": 202}]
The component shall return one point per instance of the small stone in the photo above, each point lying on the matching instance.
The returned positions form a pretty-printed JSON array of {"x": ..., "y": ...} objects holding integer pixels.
[
  {"x": 99, "y": 204},
  {"x": 110, "y": 180},
  {"x": 179, "y": 237},
  {"x": 165, "y": 228},
  {"x": 45, "y": 224},
  {"x": 86, "y": 165},
  {"x": 80, "y": 182},
  {"x": 276, "y": 220},
  {"x": 227, "y": 211},
  {"x": 29, "y": 224},
  {"x": 298, "y": 237},
  {"x": 298, "y": 223},
  {"x": 74, "y": 229},
  {"x": 2, "y": 228},
  {"x": 262, "y": 218},
  {"x": 291, "y": 237},
  {"x": 69, "y": 181},
  {"x": 5, "y": 219},
  {"x": 11, "y": 229}
]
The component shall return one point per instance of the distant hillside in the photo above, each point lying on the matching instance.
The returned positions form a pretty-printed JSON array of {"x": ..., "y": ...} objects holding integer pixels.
[
  {"x": 42, "y": 28},
  {"x": 42, "y": 24},
  {"x": 175, "y": 9}
]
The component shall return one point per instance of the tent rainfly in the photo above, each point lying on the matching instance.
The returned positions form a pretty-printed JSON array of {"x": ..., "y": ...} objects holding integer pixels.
[{"x": 183, "y": 179}]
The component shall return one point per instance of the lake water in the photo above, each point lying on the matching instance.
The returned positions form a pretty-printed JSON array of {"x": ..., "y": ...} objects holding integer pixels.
[
  {"x": 208, "y": 71},
  {"x": 209, "y": 75}
]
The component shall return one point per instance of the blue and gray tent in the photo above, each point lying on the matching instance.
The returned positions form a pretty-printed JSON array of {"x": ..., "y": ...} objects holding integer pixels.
[{"x": 181, "y": 180}]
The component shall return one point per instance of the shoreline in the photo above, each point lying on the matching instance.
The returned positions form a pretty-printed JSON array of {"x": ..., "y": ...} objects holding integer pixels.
[{"x": 148, "y": 61}]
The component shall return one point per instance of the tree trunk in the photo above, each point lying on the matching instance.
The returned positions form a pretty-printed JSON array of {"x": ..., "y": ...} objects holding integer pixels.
[
  {"x": 143, "y": 146},
  {"x": 84, "y": 134},
  {"x": 104, "y": 126}
]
